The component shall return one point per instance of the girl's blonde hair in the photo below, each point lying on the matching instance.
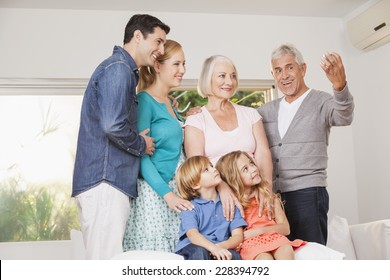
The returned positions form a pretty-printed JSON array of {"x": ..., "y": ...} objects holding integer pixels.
[
  {"x": 230, "y": 173},
  {"x": 188, "y": 176},
  {"x": 147, "y": 74}
]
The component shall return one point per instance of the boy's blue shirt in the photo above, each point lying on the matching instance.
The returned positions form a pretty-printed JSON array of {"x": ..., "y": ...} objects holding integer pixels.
[{"x": 207, "y": 217}]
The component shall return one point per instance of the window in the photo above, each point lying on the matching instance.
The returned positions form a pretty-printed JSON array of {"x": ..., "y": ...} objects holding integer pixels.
[
  {"x": 39, "y": 120},
  {"x": 252, "y": 93}
]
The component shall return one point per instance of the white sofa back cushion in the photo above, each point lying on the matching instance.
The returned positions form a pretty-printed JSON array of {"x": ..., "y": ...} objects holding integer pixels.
[{"x": 372, "y": 240}]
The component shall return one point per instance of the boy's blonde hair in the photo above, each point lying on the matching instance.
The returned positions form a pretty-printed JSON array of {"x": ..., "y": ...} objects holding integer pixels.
[
  {"x": 227, "y": 167},
  {"x": 188, "y": 176}
]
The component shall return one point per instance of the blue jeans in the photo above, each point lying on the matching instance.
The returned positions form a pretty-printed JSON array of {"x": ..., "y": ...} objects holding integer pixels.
[
  {"x": 307, "y": 213},
  {"x": 195, "y": 252}
]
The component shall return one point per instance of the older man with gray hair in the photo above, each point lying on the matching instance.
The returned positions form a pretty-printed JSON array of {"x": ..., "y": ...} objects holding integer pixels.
[{"x": 298, "y": 126}]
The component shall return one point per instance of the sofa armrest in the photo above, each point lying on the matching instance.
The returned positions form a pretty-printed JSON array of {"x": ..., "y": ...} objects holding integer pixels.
[
  {"x": 339, "y": 237},
  {"x": 371, "y": 240}
]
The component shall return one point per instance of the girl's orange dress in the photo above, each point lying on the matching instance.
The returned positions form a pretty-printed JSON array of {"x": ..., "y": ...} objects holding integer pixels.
[{"x": 266, "y": 242}]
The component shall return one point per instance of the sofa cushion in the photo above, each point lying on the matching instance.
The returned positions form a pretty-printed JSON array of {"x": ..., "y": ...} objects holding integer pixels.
[
  {"x": 372, "y": 240},
  {"x": 78, "y": 249},
  {"x": 147, "y": 255},
  {"x": 316, "y": 251},
  {"x": 339, "y": 237}
]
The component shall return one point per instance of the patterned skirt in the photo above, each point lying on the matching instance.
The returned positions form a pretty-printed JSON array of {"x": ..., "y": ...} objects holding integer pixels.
[
  {"x": 152, "y": 225},
  {"x": 266, "y": 242}
]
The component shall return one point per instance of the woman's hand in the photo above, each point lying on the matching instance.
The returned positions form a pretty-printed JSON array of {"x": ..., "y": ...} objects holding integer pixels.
[
  {"x": 229, "y": 201},
  {"x": 193, "y": 111},
  {"x": 177, "y": 203},
  {"x": 269, "y": 206},
  {"x": 175, "y": 103}
]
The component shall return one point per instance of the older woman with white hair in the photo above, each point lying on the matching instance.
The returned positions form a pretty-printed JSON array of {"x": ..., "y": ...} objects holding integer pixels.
[{"x": 222, "y": 126}]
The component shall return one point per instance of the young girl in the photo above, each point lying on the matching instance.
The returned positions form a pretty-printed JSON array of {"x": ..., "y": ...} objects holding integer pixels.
[
  {"x": 264, "y": 239},
  {"x": 204, "y": 232}
]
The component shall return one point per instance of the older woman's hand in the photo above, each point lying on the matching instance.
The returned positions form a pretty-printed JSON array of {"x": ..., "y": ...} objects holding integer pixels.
[
  {"x": 269, "y": 206},
  {"x": 229, "y": 201}
]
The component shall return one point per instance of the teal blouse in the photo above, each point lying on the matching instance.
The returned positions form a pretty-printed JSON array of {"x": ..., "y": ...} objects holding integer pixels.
[{"x": 167, "y": 132}]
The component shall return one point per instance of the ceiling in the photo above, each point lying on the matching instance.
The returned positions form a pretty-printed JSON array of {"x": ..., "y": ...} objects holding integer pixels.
[{"x": 310, "y": 8}]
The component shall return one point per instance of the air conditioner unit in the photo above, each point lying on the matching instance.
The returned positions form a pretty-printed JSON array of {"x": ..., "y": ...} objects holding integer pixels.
[{"x": 371, "y": 29}]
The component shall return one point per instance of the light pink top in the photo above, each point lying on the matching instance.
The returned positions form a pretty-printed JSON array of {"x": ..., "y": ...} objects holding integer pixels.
[{"x": 219, "y": 142}]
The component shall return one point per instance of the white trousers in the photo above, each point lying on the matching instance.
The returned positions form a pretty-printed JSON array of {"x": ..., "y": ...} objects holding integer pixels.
[{"x": 103, "y": 212}]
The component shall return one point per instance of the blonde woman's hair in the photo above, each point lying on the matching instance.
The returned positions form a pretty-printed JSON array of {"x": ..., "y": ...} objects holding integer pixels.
[
  {"x": 204, "y": 82},
  {"x": 188, "y": 176},
  {"x": 147, "y": 74},
  {"x": 230, "y": 173}
]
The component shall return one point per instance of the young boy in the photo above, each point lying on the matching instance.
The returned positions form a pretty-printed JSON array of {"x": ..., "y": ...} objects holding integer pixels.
[{"x": 204, "y": 232}]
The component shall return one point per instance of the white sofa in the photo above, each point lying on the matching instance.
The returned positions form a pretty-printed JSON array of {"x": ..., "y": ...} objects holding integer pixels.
[
  {"x": 366, "y": 241},
  {"x": 369, "y": 241},
  {"x": 74, "y": 250}
]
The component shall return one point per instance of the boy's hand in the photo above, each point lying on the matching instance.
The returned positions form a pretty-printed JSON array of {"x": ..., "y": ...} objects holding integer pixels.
[{"x": 221, "y": 253}]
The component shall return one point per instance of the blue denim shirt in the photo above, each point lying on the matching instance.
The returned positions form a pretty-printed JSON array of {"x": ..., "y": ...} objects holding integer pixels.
[{"x": 109, "y": 146}]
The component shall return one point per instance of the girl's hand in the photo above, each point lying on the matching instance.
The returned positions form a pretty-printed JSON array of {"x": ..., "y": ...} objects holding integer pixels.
[
  {"x": 248, "y": 234},
  {"x": 221, "y": 253},
  {"x": 229, "y": 201},
  {"x": 177, "y": 203}
]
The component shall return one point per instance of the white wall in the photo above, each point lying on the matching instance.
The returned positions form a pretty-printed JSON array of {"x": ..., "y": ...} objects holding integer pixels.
[
  {"x": 369, "y": 72},
  {"x": 371, "y": 130},
  {"x": 70, "y": 44}
]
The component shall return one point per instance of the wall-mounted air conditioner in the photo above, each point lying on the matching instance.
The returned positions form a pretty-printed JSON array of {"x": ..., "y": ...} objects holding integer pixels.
[{"x": 371, "y": 28}]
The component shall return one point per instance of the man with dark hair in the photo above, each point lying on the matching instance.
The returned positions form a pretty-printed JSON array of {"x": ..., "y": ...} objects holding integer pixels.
[{"x": 109, "y": 146}]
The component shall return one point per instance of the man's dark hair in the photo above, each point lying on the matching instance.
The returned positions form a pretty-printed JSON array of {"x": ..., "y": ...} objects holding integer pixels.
[{"x": 144, "y": 23}]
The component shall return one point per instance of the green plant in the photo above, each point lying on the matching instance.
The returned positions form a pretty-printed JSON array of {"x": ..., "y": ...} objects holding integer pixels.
[
  {"x": 37, "y": 213},
  {"x": 190, "y": 98}
]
